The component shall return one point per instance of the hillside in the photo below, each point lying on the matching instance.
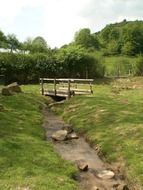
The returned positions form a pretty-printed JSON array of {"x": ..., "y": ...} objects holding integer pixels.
[{"x": 122, "y": 38}]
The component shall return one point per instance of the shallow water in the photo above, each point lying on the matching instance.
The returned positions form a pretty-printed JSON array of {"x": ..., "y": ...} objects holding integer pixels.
[{"x": 78, "y": 149}]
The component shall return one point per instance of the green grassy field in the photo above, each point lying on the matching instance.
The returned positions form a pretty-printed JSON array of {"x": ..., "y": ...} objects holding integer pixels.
[
  {"x": 27, "y": 161},
  {"x": 125, "y": 64},
  {"x": 113, "y": 120}
]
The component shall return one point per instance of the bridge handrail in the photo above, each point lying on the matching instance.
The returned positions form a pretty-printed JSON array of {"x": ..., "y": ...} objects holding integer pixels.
[{"x": 67, "y": 79}]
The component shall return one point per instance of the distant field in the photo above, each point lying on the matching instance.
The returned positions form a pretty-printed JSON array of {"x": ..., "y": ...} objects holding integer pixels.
[
  {"x": 113, "y": 119},
  {"x": 27, "y": 161},
  {"x": 126, "y": 65}
]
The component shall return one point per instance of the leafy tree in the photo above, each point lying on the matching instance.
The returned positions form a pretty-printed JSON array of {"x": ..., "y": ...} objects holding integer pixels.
[
  {"x": 86, "y": 39},
  {"x": 122, "y": 38},
  {"x": 12, "y": 43},
  {"x": 27, "y": 45},
  {"x": 128, "y": 48},
  {"x": 3, "y": 40},
  {"x": 75, "y": 61},
  {"x": 39, "y": 45}
]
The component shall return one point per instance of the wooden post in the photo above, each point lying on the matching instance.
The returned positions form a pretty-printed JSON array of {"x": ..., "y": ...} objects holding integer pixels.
[
  {"x": 55, "y": 91},
  {"x": 42, "y": 86},
  {"x": 91, "y": 88},
  {"x": 69, "y": 92}
]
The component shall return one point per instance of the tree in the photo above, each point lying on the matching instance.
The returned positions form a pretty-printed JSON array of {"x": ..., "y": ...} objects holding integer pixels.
[
  {"x": 12, "y": 43},
  {"x": 74, "y": 61},
  {"x": 27, "y": 45},
  {"x": 39, "y": 45},
  {"x": 3, "y": 41},
  {"x": 86, "y": 39}
]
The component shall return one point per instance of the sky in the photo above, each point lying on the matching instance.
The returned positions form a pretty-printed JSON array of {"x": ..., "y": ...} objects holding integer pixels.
[{"x": 58, "y": 20}]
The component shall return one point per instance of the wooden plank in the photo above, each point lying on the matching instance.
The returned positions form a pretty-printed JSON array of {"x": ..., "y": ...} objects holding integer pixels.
[
  {"x": 66, "y": 79},
  {"x": 76, "y": 89},
  {"x": 82, "y": 93},
  {"x": 57, "y": 94}
]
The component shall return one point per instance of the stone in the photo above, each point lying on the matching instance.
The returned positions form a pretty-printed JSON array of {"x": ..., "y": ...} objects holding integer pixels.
[
  {"x": 72, "y": 136},
  {"x": 116, "y": 185},
  {"x": 68, "y": 128},
  {"x": 82, "y": 165},
  {"x": 122, "y": 187},
  {"x": 6, "y": 92},
  {"x": 105, "y": 174},
  {"x": 14, "y": 87},
  {"x": 11, "y": 89},
  {"x": 95, "y": 188},
  {"x": 60, "y": 135}
]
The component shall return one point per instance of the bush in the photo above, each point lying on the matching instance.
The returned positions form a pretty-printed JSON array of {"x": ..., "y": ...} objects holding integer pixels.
[{"x": 70, "y": 62}]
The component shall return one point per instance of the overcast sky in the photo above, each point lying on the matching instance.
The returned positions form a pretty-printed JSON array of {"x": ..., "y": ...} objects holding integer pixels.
[{"x": 58, "y": 20}]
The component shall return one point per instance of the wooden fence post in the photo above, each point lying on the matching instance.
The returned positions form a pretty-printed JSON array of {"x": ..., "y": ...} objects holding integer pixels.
[
  {"x": 69, "y": 92},
  {"x": 42, "y": 86},
  {"x": 55, "y": 90},
  {"x": 91, "y": 88}
]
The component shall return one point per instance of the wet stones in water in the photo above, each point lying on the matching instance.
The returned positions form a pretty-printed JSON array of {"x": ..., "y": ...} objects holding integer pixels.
[
  {"x": 60, "y": 135},
  {"x": 122, "y": 187},
  {"x": 105, "y": 174},
  {"x": 72, "y": 136},
  {"x": 82, "y": 165},
  {"x": 68, "y": 128},
  {"x": 65, "y": 134},
  {"x": 95, "y": 188}
]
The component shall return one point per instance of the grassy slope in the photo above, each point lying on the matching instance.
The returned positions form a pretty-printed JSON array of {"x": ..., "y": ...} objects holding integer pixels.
[
  {"x": 112, "y": 61},
  {"x": 114, "y": 122},
  {"x": 27, "y": 162}
]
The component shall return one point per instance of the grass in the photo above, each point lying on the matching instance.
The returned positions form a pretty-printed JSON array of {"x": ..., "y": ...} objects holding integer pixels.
[
  {"x": 114, "y": 122},
  {"x": 124, "y": 63},
  {"x": 27, "y": 161}
]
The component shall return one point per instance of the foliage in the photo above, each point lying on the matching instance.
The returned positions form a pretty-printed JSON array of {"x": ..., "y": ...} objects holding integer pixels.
[
  {"x": 24, "y": 68},
  {"x": 39, "y": 45},
  {"x": 74, "y": 61},
  {"x": 86, "y": 39},
  {"x": 12, "y": 43},
  {"x": 27, "y": 45},
  {"x": 3, "y": 40},
  {"x": 122, "y": 38}
]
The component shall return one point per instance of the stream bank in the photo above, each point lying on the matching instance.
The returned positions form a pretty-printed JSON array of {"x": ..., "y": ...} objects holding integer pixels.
[{"x": 78, "y": 149}]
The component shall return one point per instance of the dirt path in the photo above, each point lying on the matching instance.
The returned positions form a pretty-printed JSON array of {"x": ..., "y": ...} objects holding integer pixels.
[{"x": 77, "y": 149}]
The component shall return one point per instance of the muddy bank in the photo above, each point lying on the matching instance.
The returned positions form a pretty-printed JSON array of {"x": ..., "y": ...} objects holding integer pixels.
[{"x": 79, "y": 149}]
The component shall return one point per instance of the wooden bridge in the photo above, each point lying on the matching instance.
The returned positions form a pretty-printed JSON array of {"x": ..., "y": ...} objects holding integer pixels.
[{"x": 65, "y": 88}]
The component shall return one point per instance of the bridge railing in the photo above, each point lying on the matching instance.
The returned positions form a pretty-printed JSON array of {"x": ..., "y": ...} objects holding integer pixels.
[{"x": 65, "y": 87}]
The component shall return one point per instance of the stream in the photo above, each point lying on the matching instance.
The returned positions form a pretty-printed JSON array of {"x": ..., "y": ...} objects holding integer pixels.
[{"x": 79, "y": 149}]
